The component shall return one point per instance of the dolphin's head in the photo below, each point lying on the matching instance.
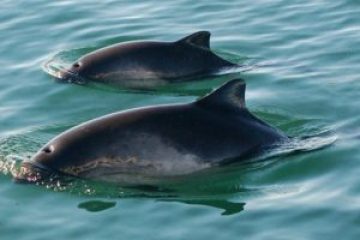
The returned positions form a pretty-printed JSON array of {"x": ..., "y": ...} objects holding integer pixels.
[
  {"x": 70, "y": 148},
  {"x": 65, "y": 154},
  {"x": 43, "y": 165},
  {"x": 91, "y": 67},
  {"x": 38, "y": 168}
]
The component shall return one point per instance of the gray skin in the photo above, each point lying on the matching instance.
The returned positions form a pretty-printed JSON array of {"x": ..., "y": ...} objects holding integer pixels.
[
  {"x": 147, "y": 64},
  {"x": 158, "y": 141}
]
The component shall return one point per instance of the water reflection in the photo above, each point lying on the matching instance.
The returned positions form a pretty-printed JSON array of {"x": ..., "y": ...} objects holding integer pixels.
[
  {"x": 229, "y": 208},
  {"x": 96, "y": 205}
]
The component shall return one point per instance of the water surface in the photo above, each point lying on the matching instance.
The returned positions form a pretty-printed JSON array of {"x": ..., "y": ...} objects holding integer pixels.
[{"x": 308, "y": 85}]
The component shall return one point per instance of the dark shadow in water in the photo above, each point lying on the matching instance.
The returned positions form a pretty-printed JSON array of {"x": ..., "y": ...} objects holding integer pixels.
[
  {"x": 96, "y": 205},
  {"x": 229, "y": 208},
  {"x": 163, "y": 194}
]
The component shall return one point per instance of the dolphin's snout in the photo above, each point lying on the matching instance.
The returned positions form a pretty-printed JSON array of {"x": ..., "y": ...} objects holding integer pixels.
[
  {"x": 37, "y": 169},
  {"x": 32, "y": 172},
  {"x": 70, "y": 76}
]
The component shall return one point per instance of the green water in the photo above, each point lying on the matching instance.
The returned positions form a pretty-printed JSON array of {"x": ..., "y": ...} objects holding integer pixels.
[{"x": 307, "y": 84}]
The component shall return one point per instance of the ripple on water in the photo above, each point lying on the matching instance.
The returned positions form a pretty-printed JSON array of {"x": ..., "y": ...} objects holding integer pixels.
[{"x": 310, "y": 87}]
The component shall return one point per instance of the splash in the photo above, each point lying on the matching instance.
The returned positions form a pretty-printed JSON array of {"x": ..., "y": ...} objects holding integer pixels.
[{"x": 8, "y": 166}]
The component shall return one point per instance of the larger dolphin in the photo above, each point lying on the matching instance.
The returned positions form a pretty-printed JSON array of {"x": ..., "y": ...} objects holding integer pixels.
[
  {"x": 147, "y": 64},
  {"x": 163, "y": 140}
]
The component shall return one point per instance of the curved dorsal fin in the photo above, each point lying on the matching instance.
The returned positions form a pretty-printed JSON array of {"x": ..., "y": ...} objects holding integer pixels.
[
  {"x": 199, "y": 39},
  {"x": 230, "y": 96}
]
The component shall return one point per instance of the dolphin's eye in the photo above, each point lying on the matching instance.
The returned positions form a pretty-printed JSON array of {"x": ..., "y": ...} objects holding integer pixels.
[
  {"x": 48, "y": 149},
  {"x": 76, "y": 65}
]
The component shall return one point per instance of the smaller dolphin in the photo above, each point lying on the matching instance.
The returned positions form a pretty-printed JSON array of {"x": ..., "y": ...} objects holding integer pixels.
[
  {"x": 158, "y": 141},
  {"x": 147, "y": 64}
]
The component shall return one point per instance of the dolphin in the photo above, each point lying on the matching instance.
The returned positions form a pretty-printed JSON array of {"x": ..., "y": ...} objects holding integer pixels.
[
  {"x": 160, "y": 141},
  {"x": 147, "y": 64}
]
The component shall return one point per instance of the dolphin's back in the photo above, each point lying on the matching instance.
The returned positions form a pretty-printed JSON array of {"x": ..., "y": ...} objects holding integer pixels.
[
  {"x": 185, "y": 58},
  {"x": 163, "y": 140}
]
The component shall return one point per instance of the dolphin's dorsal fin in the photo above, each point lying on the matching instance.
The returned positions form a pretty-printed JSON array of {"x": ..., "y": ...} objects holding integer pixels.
[
  {"x": 230, "y": 96},
  {"x": 199, "y": 39}
]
